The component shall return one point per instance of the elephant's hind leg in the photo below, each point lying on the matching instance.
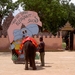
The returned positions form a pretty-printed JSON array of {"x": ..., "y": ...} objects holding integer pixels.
[
  {"x": 33, "y": 64},
  {"x": 26, "y": 64}
]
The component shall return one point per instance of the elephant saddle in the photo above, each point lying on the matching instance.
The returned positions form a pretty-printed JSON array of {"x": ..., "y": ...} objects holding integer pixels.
[{"x": 28, "y": 39}]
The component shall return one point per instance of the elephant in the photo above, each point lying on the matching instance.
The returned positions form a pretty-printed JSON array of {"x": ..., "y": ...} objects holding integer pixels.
[{"x": 29, "y": 50}]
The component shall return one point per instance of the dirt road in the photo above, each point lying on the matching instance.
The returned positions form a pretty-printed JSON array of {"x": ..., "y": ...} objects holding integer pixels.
[{"x": 56, "y": 63}]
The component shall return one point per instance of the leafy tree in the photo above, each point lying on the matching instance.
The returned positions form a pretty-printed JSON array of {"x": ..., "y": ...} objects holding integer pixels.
[
  {"x": 70, "y": 9},
  {"x": 53, "y": 13},
  {"x": 56, "y": 17},
  {"x": 72, "y": 14},
  {"x": 5, "y": 7}
]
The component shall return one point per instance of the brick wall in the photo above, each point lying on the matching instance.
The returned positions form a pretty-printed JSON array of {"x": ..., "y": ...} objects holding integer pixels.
[
  {"x": 51, "y": 42},
  {"x": 4, "y": 43}
]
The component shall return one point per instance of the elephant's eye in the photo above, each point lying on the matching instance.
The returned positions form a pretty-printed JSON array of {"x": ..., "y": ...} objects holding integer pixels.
[{"x": 25, "y": 31}]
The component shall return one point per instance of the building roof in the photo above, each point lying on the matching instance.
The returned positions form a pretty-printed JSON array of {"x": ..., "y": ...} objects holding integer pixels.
[{"x": 67, "y": 27}]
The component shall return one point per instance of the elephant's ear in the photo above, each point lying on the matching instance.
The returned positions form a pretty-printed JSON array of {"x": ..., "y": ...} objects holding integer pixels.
[{"x": 32, "y": 29}]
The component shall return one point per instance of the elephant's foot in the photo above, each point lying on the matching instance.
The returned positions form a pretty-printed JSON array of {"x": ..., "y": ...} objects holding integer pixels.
[
  {"x": 31, "y": 65},
  {"x": 26, "y": 69},
  {"x": 34, "y": 68}
]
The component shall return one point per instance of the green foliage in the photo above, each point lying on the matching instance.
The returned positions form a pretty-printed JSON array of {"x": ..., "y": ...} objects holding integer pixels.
[
  {"x": 7, "y": 6},
  {"x": 37, "y": 56},
  {"x": 72, "y": 14},
  {"x": 14, "y": 57},
  {"x": 63, "y": 45},
  {"x": 53, "y": 13}
]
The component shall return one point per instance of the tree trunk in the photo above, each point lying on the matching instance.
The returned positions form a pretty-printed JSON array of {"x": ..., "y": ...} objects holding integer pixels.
[{"x": 0, "y": 21}]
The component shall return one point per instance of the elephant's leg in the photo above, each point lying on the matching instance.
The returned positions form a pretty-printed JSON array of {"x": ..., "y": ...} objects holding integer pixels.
[
  {"x": 26, "y": 64},
  {"x": 26, "y": 61},
  {"x": 33, "y": 63},
  {"x": 30, "y": 62}
]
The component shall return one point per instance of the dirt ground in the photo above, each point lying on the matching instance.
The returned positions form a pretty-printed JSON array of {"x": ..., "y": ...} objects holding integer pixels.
[{"x": 56, "y": 63}]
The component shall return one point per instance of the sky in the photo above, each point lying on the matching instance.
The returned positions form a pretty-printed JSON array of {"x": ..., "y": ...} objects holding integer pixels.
[
  {"x": 73, "y": 1},
  {"x": 18, "y": 10}
]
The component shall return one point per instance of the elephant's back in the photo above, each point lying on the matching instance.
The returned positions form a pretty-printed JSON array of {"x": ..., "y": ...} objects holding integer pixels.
[{"x": 29, "y": 47}]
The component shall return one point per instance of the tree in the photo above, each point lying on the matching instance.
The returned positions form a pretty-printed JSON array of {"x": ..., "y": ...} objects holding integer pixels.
[
  {"x": 56, "y": 17},
  {"x": 70, "y": 9},
  {"x": 53, "y": 13},
  {"x": 72, "y": 14},
  {"x": 5, "y": 7}
]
